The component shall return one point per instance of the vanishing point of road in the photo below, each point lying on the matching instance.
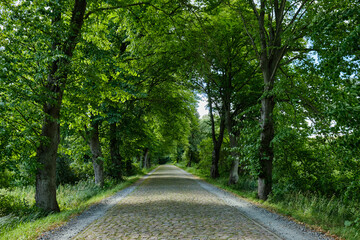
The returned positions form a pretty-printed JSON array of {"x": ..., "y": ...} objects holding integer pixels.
[{"x": 173, "y": 204}]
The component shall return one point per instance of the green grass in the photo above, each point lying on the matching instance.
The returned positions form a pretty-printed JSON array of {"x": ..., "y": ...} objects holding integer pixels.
[
  {"x": 19, "y": 218},
  {"x": 331, "y": 215}
]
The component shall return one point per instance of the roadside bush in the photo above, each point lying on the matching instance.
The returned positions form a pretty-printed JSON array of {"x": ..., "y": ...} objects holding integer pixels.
[
  {"x": 205, "y": 154},
  {"x": 64, "y": 173},
  {"x": 14, "y": 205},
  {"x": 5, "y": 178}
]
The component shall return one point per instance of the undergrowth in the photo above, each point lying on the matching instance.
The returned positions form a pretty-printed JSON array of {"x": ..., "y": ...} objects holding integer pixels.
[
  {"x": 20, "y": 219},
  {"x": 332, "y": 215}
]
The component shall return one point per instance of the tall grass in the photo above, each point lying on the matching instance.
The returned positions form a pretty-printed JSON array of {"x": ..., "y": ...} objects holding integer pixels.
[
  {"x": 332, "y": 215},
  {"x": 20, "y": 219}
]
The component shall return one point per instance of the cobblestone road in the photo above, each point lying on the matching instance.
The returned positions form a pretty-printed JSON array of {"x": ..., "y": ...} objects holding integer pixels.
[{"x": 172, "y": 205}]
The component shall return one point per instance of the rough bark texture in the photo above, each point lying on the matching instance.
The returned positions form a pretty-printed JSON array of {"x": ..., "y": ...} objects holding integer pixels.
[
  {"x": 45, "y": 195},
  {"x": 266, "y": 149},
  {"x": 116, "y": 159},
  {"x": 95, "y": 147}
]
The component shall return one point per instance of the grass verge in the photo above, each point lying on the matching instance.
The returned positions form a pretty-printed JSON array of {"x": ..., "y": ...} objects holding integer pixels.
[
  {"x": 19, "y": 218},
  {"x": 332, "y": 216}
]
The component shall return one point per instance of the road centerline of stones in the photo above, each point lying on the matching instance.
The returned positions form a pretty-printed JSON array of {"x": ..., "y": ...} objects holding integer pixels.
[{"x": 172, "y": 205}]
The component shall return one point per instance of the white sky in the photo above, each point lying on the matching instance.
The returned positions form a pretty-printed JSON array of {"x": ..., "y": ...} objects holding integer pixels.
[{"x": 202, "y": 109}]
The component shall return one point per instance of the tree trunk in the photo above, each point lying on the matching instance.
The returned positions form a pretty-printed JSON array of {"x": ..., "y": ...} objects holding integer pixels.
[
  {"x": 116, "y": 159},
  {"x": 46, "y": 153},
  {"x": 146, "y": 158},
  {"x": 45, "y": 195},
  {"x": 217, "y": 142},
  {"x": 214, "y": 173},
  {"x": 234, "y": 171},
  {"x": 95, "y": 147},
  {"x": 266, "y": 136}
]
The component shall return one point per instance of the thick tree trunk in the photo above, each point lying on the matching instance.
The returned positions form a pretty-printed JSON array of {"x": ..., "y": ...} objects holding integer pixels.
[
  {"x": 95, "y": 147},
  {"x": 116, "y": 159},
  {"x": 266, "y": 136},
  {"x": 45, "y": 195}
]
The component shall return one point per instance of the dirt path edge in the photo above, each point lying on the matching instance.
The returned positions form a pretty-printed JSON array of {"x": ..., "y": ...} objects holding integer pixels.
[
  {"x": 94, "y": 212},
  {"x": 275, "y": 223}
]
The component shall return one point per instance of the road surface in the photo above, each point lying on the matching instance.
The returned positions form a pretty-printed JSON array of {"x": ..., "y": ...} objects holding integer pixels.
[{"x": 173, "y": 204}]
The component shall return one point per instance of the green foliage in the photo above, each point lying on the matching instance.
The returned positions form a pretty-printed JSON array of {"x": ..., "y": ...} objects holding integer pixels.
[
  {"x": 17, "y": 207},
  {"x": 140, "y": 67},
  {"x": 11, "y": 205},
  {"x": 5, "y": 178},
  {"x": 332, "y": 213},
  {"x": 64, "y": 173},
  {"x": 205, "y": 153}
]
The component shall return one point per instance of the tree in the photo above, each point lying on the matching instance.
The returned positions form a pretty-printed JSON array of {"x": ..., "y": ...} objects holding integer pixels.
[
  {"x": 47, "y": 36},
  {"x": 280, "y": 30},
  {"x": 58, "y": 35}
]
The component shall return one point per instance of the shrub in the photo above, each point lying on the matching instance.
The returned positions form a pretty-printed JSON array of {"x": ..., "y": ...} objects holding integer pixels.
[{"x": 11, "y": 204}]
